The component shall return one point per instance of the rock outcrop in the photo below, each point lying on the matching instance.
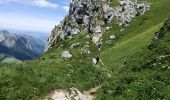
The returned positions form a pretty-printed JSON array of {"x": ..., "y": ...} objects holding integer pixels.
[
  {"x": 73, "y": 94},
  {"x": 128, "y": 9},
  {"x": 85, "y": 16},
  {"x": 89, "y": 16},
  {"x": 66, "y": 55}
]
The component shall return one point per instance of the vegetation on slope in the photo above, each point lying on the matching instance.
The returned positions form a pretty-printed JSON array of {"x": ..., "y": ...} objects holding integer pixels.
[
  {"x": 132, "y": 74},
  {"x": 29, "y": 80},
  {"x": 145, "y": 75}
]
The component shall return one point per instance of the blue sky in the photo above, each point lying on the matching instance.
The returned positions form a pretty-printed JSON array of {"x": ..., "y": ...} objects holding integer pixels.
[{"x": 32, "y": 15}]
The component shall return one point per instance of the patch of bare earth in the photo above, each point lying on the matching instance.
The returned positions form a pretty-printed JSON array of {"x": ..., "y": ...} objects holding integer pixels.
[{"x": 72, "y": 94}]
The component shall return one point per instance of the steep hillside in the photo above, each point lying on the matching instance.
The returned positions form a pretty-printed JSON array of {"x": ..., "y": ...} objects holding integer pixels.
[
  {"x": 145, "y": 74},
  {"x": 119, "y": 49},
  {"x": 21, "y": 47}
]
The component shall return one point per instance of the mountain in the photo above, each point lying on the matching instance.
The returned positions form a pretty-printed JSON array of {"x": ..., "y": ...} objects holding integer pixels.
[
  {"x": 103, "y": 50},
  {"x": 4, "y": 58},
  {"x": 21, "y": 47}
]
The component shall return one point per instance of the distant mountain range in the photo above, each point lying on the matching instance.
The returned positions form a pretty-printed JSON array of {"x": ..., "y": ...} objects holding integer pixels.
[
  {"x": 4, "y": 58},
  {"x": 20, "y": 47}
]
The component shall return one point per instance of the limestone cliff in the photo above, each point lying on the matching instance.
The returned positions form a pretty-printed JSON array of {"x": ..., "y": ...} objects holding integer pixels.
[{"x": 90, "y": 16}]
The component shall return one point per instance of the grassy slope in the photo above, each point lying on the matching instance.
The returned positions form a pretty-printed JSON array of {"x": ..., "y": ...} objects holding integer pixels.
[
  {"x": 116, "y": 55},
  {"x": 143, "y": 77},
  {"x": 31, "y": 79},
  {"x": 135, "y": 36}
]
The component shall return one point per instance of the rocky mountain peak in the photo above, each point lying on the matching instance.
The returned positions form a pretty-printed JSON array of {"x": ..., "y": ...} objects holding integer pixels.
[
  {"x": 85, "y": 16},
  {"x": 89, "y": 16},
  {"x": 7, "y": 38}
]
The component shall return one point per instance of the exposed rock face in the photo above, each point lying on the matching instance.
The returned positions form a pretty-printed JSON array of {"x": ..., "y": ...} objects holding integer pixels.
[
  {"x": 66, "y": 55},
  {"x": 84, "y": 16},
  {"x": 73, "y": 94},
  {"x": 126, "y": 11},
  {"x": 88, "y": 16},
  {"x": 7, "y": 39},
  {"x": 94, "y": 61},
  {"x": 129, "y": 9}
]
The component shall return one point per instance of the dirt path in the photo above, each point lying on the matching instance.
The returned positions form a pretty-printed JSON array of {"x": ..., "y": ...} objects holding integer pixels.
[{"x": 73, "y": 94}]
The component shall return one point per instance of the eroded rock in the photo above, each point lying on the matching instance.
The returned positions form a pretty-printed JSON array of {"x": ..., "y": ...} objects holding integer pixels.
[
  {"x": 66, "y": 55},
  {"x": 73, "y": 94},
  {"x": 87, "y": 16},
  {"x": 75, "y": 45},
  {"x": 112, "y": 37},
  {"x": 129, "y": 9}
]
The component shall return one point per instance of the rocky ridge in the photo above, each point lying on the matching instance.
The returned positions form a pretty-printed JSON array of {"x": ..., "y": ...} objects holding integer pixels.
[{"x": 90, "y": 16}]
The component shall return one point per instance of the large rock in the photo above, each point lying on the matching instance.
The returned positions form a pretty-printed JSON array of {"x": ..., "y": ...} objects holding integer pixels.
[{"x": 66, "y": 55}]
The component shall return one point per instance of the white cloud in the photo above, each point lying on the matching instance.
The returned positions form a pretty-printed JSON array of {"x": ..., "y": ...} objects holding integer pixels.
[
  {"x": 27, "y": 22},
  {"x": 44, "y": 3},
  {"x": 31, "y": 22},
  {"x": 38, "y": 3},
  {"x": 66, "y": 8}
]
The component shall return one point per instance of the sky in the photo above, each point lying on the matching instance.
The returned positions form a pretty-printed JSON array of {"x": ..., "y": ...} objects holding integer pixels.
[{"x": 36, "y": 16}]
